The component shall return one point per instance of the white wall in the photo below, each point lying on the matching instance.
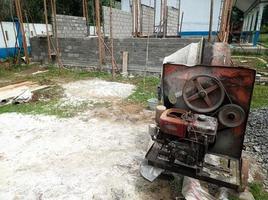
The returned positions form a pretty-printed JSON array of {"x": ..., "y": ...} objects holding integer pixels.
[{"x": 31, "y": 30}]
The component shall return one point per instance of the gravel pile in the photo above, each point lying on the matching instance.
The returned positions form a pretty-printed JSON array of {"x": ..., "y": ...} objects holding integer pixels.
[{"x": 256, "y": 140}]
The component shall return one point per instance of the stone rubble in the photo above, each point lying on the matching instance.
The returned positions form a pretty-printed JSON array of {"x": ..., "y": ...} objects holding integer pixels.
[{"x": 256, "y": 140}]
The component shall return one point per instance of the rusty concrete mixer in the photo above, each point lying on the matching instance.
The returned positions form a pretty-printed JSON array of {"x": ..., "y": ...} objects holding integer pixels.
[{"x": 206, "y": 102}]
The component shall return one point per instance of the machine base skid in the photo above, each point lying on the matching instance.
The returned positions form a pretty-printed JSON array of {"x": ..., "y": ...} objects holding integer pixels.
[{"x": 209, "y": 173}]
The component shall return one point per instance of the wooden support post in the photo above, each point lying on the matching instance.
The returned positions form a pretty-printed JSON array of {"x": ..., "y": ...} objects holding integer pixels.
[
  {"x": 165, "y": 18},
  {"x": 4, "y": 37},
  {"x": 182, "y": 14},
  {"x": 125, "y": 63},
  {"x": 83, "y": 6},
  {"x": 19, "y": 15},
  {"x": 111, "y": 39},
  {"x": 210, "y": 20},
  {"x": 86, "y": 15},
  {"x": 98, "y": 26},
  {"x": 225, "y": 21},
  {"x": 179, "y": 13},
  {"x": 48, "y": 39},
  {"x": 54, "y": 13}
]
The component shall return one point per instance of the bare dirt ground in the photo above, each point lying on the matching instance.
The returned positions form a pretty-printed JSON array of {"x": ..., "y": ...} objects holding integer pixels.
[{"x": 95, "y": 155}]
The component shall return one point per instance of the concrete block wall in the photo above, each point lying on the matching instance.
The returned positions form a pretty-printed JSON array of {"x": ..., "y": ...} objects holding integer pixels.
[
  {"x": 83, "y": 52},
  {"x": 121, "y": 23},
  {"x": 147, "y": 20},
  {"x": 172, "y": 21},
  {"x": 71, "y": 26}
]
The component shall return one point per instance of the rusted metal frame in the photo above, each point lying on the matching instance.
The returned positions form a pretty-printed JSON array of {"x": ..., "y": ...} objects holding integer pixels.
[
  {"x": 194, "y": 172},
  {"x": 20, "y": 17},
  {"x": 48, "y": 39},
  {"x": 223, "y": 72}
]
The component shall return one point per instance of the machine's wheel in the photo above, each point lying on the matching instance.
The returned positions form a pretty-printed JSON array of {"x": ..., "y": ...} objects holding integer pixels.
[
  {"x": 232, "y": 115},
  {"x": 203, "y": 93}
]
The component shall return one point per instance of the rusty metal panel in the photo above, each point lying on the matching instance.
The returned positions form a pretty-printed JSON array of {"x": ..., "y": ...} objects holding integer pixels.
[{"x": 237, "y": 82}]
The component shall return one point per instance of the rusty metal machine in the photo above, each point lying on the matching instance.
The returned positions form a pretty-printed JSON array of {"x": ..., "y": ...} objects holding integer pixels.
[{"x": 203, "y": 118}]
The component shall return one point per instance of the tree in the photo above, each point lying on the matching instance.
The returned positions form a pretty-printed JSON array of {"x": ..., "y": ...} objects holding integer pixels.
[{"x": 35, "y": 10}]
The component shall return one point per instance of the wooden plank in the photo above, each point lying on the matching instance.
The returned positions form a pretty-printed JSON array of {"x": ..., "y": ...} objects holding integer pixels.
[
  {"x": 16, "y": 85},
  {"x": 12, "y": 91}
]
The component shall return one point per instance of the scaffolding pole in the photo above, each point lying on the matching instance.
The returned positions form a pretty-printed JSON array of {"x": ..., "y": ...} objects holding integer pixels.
[
  {"x": 19, "y": 15},
  {"x": 48, "y": 39},
  {"x": 98, "y": 26},
  {"x": 54, "y": 13},
  {"x": 210, "y": 20},
  {"x": 111, "y": 39}
]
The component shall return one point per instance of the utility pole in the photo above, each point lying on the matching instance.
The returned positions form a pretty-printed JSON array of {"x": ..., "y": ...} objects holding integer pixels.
[
  {"x": 210, "y": 20},
  {"x": 19, "y": 15},
  {"x": 48, "y": 39}
]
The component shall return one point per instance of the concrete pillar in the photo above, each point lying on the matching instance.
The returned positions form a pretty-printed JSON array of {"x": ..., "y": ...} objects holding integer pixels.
[
  {"x": 245, "y": 23},
  {"x": 258, "y": 27},
  {"x": 254, "y": 20}
]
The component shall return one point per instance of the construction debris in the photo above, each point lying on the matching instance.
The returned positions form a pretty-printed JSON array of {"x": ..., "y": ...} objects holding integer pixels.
[{"x": 19, "y": 93}]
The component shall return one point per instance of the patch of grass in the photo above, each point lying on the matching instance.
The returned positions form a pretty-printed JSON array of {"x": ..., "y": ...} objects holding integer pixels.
[
  {"x": 260, "y": 96},
  {"x": 232, "y": 197},
  {"x": 47, "y": 102},
  {"x": 258, "y": 192},
  {"x": 146, "y": 89},
  {"x": 261, "y": 65},
  {"x": 264, "y": 39},
  {"x": 51, "y": 107}
]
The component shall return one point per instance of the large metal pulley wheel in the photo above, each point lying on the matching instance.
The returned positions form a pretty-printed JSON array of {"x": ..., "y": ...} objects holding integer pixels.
[
  {"x": 231, "y": 115},
  {"x": 203, "y": 93}
]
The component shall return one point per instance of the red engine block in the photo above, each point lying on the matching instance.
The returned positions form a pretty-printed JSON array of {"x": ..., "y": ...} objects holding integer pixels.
[{"x": 170, "y": 122}]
